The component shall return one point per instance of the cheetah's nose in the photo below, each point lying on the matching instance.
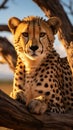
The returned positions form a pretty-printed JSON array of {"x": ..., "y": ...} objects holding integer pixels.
[{"x": 34, "y": 48}]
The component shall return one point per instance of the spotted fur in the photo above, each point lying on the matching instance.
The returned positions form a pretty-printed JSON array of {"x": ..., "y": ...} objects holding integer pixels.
[{"x": 42, "y": 80}]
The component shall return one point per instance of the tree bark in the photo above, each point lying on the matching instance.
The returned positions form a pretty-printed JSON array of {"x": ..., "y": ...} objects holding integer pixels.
[
  {"x": 16, "y": 116},
  {"x": 4, "y": 28},
  {"x": 8, "y": 53}
]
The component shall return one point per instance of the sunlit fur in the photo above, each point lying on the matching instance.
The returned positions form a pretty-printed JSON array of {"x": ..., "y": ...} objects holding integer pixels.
[
  {"x": 34, "y": 28},
  {"x": 42, "y": 80}
]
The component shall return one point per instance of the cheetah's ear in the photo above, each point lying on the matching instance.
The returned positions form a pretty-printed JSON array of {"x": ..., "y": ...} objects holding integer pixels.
[
  {"x": 54, "y": 23},
  {"x": 13, "y": 23}
]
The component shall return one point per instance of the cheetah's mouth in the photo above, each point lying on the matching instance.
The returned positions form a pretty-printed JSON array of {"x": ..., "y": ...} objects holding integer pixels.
[{"x": 34, "y": 54}]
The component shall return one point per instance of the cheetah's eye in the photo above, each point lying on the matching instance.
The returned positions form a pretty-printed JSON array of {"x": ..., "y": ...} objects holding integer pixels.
[
  {"x": 42, "y": 34},
  {"x": 25, "y": 34}
]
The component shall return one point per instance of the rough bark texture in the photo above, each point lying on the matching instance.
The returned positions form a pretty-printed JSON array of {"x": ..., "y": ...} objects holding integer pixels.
[{"x": 15, "y": 116}]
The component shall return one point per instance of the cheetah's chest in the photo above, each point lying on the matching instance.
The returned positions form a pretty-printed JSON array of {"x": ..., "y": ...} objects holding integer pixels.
[{"x": 40, "y": 82}]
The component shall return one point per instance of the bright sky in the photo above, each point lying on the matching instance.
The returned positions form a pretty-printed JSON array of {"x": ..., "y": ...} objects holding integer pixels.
[{"x": 20, "y": 8}]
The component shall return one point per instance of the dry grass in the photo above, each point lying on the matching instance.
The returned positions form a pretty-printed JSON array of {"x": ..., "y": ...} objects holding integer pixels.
[{"x": 6, "y": 86}]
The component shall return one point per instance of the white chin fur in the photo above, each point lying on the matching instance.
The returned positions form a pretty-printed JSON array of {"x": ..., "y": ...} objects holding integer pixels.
[
  {"x": 31, "y": 57},
  {"x": 36, "y": 57}
]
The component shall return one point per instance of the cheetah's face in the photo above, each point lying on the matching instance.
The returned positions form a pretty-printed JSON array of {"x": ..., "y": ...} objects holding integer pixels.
[{"x": 33, "y": 36}]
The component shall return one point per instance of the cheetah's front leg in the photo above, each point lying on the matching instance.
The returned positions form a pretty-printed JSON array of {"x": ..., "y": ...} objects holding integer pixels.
[
  {"x": 18, "y": 84},
  {"x": 19, "y": 96}
]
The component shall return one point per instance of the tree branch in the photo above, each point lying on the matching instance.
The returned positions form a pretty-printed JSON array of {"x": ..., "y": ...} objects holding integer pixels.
[
  {"x": 16, "y": 116},
  {"x": 8, "y": 52},
  {"x": 4, "y": 28},
  {"x": 3, "y": 4}
]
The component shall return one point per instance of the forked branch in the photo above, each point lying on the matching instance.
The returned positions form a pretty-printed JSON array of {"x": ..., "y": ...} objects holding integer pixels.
[{"x": 3, "y": 4}]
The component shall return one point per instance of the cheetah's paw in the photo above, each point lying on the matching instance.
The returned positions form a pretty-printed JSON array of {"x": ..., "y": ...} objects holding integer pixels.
[{"x": 37, "y": 106}]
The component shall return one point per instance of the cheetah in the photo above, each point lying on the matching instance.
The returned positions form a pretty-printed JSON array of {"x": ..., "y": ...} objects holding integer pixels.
[{"x": 42, "y": 79}]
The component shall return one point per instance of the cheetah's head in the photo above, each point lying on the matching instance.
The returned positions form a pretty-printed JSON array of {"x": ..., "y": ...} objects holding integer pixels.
[{"x": 33, "y": 36}]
